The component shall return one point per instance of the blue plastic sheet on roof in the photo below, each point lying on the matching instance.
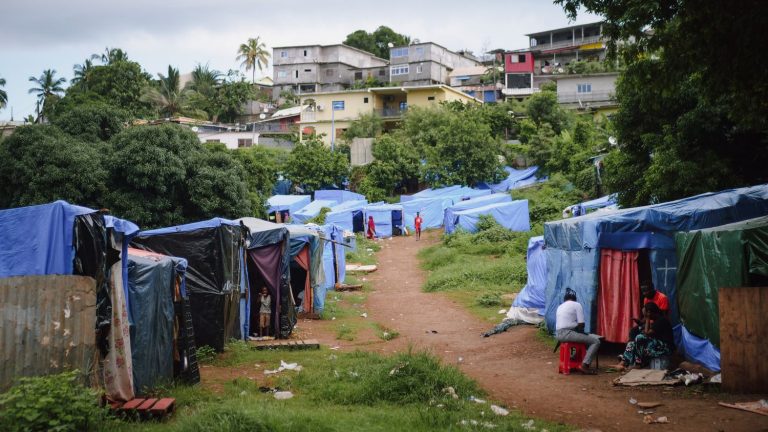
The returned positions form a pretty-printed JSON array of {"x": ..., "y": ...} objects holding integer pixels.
[
  {"x": 311, "y": 210},
  {"x": 430, "y": 209},
  {"x": 573, "y": 244},
  {"x": 602, "y": 202},
  {"x": 533, "y": 294},
  {"x": 385, "y": 217},
  {"x": 511, "y": 215},
  {"x": 210, "y": 223},
  {"x": 696, "y": 349},
  {"x": 339, "y": 196},
  {"x": 37, "y": 240},
  {"x": 292, "y": 203},
  {"x": 344, "y": 213},
  {"x": 430, "y": 193},
  {"x": 515, "y": 179},
  {"x": 449, "y": 217}
]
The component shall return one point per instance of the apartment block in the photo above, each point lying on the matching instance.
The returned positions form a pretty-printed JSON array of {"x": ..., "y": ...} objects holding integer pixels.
[
  {"x": 323, "y": 68},
  {"x": 331, "y": 113},
  {"x": 425, "y": 64}
]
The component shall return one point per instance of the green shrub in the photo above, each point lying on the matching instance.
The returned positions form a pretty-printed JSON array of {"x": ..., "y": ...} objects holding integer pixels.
[
  {"x": 50, "y": 403},
  {"x": 206, "y": 354},
  {"x": 489, "y": 299},
  {"x": 320, "y": 218}
]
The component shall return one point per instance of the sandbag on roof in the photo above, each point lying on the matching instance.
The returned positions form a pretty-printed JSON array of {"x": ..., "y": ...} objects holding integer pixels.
[
  {"x": 311, "y": 210},
  {"x": 450, "y": 213},
  {"x": 511, "y": 215}
]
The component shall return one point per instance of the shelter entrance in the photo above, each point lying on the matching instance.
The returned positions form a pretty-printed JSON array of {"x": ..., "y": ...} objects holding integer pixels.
[
  {"x": 264, "y": 271},
  {"x": 358, "y": 224},
  {"x": 301, "y": 288},
  {"x": 619, "y": 299}
]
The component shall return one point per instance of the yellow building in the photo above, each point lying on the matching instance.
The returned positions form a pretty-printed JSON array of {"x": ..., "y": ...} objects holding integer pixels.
[{"x": 334, "y": 111}]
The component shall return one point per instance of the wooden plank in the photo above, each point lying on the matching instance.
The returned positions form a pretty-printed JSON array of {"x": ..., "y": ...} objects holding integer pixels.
[
  {"x": 743, "y": 332},
  {"x": 345, "y": 287},
  {"x": 147, "y": 404},
  {"x": 163, "y": 407},
  {"x": 132, "y": 404},
  {"x": 286, "y": 344},
  {"x": 753, "y": 407}
]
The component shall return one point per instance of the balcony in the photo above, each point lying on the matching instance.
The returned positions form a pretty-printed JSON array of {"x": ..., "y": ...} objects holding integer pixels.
[
  {"x": 390, "y": 112},
  {"x": 519, "y": 91},
  {"x": 567, "y": 43},
  {"x": 597, "y": 96},
  {"x": 271, "y": 128},
  {"x": 308, "y": 117}
]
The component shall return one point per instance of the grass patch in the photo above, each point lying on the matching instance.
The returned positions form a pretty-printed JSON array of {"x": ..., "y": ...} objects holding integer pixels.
[
  {"x": 345, "y": 332},
  {"x": 365, "y": 253},
  {"x": 385, "y": 333}
]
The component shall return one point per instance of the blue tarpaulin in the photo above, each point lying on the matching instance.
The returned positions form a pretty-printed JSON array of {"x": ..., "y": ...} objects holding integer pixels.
[
  {"x": 573, "y": 245},
  {"x": 386, "y": 217},
  {"x": 339, "y": 196},
  {"x": 533, "y": 293},
  {"x": 290, "y": 203},
  {"x": 511, "y": 215},
  {"x": 345, "y": 213},
  {"x": 515, "y": 179},
  {"x": 431, "y": 211},
  {"x": 311, "y": 210},
  {"x": 449, "y": 217},
  {"x": 696, "y": 349},
  {"x": 430, "y": 193},
  {"x": 334, "y": 258}
]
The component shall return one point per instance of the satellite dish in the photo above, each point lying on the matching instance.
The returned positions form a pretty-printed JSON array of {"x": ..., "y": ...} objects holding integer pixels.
[
  {"x": 390, "y": 45},
  {"x": 612, "y": 141}
]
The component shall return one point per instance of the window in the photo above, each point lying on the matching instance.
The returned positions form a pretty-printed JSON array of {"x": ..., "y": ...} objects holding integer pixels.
[
  {"x": 419, "y": 69},
  {"x": 399, "y": 52},
  {"x": 519, "y": 81},
  {"x": 430, "y": 98},
  {"x": 419, "y": 51},
  {"x": 283, "y": 54},
  {"x": 399, "y": 70},
  {"x": 282, "y": 74},
  {"x": 305, "y": 53},
  {"x": 403, "y": 106},
  {"x": 358, "y": 75},
  {"x": 244, "y": 142},
  {"x": 521, "y": 58},
  {"x": 213, "y": 141},
  {"x": 382, "y": 72},
  {"x": 330, "y": 72},
  {"x": 296, "y": 73},
  {"x": 307, "y": 70},
  {"x": 365, "y": 100},
  {"x": 584, "y": 88},
  {"x": 517, "y": 58}
]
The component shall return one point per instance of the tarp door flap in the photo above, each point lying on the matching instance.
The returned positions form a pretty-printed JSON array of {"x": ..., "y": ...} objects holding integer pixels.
[
  {"x": 618, "y": 299},
  {"x": 302, "y": 259},
  {"x": 264, "y": 265}
]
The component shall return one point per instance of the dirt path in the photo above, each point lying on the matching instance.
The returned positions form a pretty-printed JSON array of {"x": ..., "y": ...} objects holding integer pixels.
[{"x": 515, "y": 367}]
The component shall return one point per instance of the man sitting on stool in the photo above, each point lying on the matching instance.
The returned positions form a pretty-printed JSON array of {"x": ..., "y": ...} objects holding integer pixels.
[{"x": 569, "y": 327}]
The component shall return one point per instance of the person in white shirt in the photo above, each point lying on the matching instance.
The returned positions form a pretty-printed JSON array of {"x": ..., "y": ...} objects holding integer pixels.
[{"x": 569, "y": 327}]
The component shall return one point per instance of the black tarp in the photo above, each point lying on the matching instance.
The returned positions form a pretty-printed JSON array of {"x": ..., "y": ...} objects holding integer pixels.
[{"x": 213, "y": 250}]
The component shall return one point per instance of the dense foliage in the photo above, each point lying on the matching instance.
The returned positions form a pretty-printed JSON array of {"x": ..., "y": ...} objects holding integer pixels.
[
  {"x": 312, "y": 166},
  {"x": 692, "y": 114},
  {"x": 377, "y": 42}
]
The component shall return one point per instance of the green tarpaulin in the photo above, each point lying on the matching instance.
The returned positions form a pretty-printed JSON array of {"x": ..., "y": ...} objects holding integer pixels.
[{"x": 730, "y": 255}]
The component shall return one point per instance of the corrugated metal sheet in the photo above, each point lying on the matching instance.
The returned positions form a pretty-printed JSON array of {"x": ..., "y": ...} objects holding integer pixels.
[{"x": 46, "y": 326}]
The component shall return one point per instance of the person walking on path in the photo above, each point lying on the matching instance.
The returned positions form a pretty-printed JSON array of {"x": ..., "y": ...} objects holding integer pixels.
[
  {"x": 569, "y": 327},
  {"x": 417, "y": 223}
]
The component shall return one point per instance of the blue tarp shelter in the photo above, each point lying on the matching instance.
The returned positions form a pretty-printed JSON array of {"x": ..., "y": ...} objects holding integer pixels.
[
  {"x": 511, "y": 215},
  {"x": 388, "y": 218},
  {"x": 267, "y": 264},
  {"x": 311, "y": 210},
  {"x": 431, "y": 211},
  {"x": 533, "y": 294},
  {"x": 449, "y": 216},
  {"x": 214, "y": 250},
  {"x": 339, "y": 196},
  {"x": 155, "y": 282},
  {"x": 433, "y": 193},
  {"x": 334, "y": 258},
  {"x": 287, "y": 205},
  {"x": 608, "y": 201},
  {"x": 574, "y": 245},
  {"x": 348, "y": 215},
  {"x": 516, "y": 178}
]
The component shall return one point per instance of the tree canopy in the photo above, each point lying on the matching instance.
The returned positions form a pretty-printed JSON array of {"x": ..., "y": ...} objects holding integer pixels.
[
  {"x": 377, "y": 42},
  {"x": 312, "y": 166}
]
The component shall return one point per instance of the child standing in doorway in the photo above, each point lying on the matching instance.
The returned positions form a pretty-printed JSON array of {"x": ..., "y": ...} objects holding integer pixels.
[{"x": 265, "y": 311}]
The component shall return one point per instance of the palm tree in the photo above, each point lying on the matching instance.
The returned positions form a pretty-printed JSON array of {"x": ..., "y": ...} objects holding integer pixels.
[
  {"x": 3, "y": 94},
  {"x": 48, "y": 88},
  {"x": 205, "y": 79},
  {"x": 82, "y": 72},
  {"x": 253, "y": 54},
  {"x": 168, "y": 97},
  {"x": 110, "y": 56}
]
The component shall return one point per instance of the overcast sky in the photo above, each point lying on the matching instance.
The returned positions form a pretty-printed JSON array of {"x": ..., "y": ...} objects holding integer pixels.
[{"x": 37, "y": 35}]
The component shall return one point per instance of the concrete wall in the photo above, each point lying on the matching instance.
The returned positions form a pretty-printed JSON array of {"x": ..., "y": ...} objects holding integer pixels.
[{"x": 603, "y": 87}]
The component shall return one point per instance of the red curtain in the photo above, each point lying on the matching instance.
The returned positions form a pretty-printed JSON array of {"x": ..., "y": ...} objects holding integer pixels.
[
  {"x": 302, "y": 259},
  {"x": 618, "y": 299}
]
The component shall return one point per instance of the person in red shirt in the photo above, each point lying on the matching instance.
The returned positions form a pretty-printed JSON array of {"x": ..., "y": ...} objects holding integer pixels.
[
  {"x": 650, "y": 295},
  {"x": 371, "y": 228},
  {"x": 417, "y": 223}
]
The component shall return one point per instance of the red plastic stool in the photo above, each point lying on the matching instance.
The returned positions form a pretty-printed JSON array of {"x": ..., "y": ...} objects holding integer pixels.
[{"x": 571, "y": 356}]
